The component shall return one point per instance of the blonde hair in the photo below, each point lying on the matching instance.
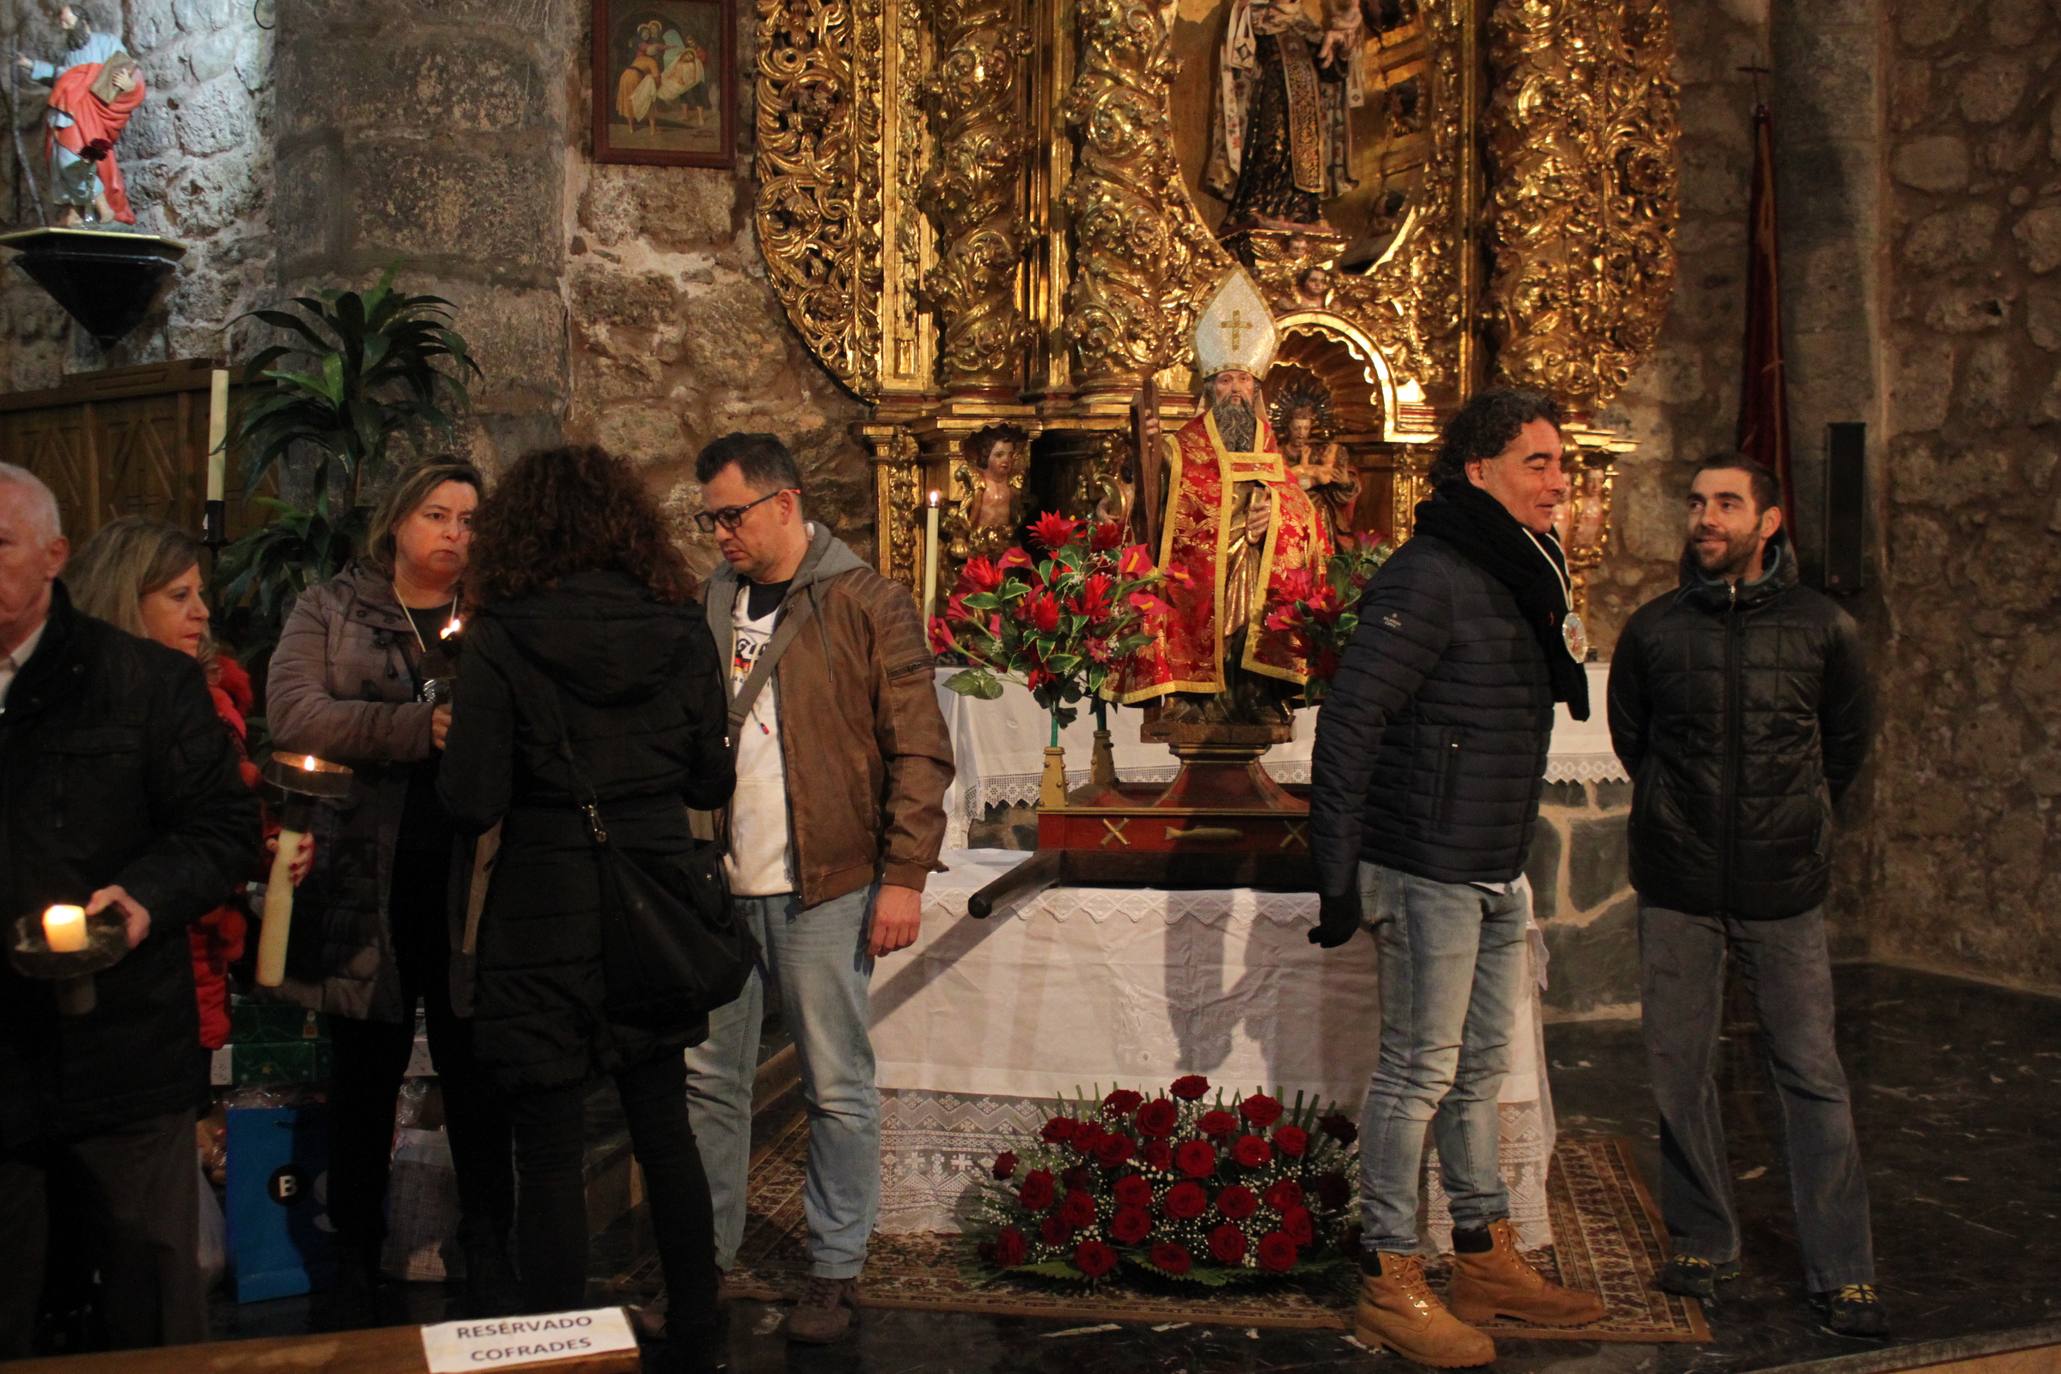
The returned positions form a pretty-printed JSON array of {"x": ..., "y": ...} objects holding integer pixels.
[
  {"x": 125, "y": 561},
  {"x": 409, "y": 490}
]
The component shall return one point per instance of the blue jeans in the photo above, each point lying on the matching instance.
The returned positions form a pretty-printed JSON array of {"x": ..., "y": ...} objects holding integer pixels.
[
  {"x": 817, "y": 963},
  {"x": 1788, "y": 973},
  {"x": 1452, "y": 969}
]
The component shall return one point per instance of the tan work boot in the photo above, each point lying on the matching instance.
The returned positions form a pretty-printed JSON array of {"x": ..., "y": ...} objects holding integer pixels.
[
  {"x": 1397, "y": 1309},
  {"x": 826, "y": 1313},
  {"x": 1497, "y": 1282}
]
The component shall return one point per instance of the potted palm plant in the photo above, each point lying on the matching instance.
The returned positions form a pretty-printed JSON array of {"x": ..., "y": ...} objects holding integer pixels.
[{"x": 354, "y": 372}]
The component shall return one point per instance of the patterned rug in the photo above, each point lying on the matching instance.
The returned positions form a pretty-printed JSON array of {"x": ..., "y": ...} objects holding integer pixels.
[{"x": 1607, "y": 1236}]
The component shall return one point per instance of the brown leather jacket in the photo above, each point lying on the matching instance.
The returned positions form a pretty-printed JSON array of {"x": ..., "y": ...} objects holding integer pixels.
[{"x": 859, "y": 721}]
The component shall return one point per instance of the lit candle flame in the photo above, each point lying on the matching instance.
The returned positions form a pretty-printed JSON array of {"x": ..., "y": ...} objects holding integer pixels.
[
  {"x": 457, "y": 624},
  {"x": 64, "y": 929},
  {"x": 934, "y": 497},
  {"x": 308, "y": 763}
]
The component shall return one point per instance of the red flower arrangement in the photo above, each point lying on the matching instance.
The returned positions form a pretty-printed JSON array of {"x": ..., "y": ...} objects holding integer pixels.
[
  {"x": 1177, "y": 1185},
  {"x": 1065, "y": 623},
  {"x": 1324, "y": 611}
]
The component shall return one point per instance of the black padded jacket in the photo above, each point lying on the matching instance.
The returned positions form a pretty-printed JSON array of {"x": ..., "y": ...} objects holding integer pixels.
[
  {"x": 1432, "y": 742},
  {"x": 114, "y": 769},
  {"x": 1742, "y": 714}
]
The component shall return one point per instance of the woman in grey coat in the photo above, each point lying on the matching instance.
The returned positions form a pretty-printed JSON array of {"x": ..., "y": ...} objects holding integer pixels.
[{"x": 379, "y": 919}]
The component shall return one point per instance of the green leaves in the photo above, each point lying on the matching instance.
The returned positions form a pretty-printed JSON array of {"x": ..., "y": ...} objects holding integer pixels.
[
  {"x": 349, "y": 373},
  {"x": 975, "y": 682},
  {"x": 354, "y": 371}
]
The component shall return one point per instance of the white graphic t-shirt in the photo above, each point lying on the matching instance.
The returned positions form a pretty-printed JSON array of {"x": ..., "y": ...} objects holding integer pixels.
[{"x": 761, "y": 863}]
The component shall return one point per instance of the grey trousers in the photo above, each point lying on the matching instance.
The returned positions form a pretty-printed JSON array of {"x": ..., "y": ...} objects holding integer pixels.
[
  {"x": 136, "y": 1192},
  {"x": 1788, "y": 974}
]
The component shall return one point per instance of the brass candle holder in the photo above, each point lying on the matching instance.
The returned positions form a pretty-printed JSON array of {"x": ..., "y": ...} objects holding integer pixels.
[
  {"x": 107, "y": 940},
  {"x": 295, "y": 784}
]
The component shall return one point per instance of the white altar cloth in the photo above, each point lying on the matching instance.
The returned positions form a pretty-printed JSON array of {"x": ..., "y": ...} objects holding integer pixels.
[
  {"x": 998, "y": 748},
  {"x": 981, "y": 1023}
]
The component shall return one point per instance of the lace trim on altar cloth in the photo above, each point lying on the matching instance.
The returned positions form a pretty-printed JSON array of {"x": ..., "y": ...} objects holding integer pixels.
[
  {"x": 1585, "y": 768},
  {"x": 937, "y": 1147}
]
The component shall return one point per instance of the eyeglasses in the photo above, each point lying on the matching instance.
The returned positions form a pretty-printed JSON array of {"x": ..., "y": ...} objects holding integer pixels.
[{"x": 730, "y": 517}]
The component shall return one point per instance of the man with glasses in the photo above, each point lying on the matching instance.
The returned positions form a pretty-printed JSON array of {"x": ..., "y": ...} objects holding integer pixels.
[{"x": 830, "y": 682}]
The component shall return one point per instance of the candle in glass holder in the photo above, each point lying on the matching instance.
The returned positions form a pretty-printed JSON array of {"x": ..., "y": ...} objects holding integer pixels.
[
  {"x": 930, "y": 559},
  {"x": 64, "y": 929}
]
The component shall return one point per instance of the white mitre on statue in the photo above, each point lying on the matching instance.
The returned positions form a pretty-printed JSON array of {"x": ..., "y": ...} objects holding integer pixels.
[{"x": 1235, "y": 331}]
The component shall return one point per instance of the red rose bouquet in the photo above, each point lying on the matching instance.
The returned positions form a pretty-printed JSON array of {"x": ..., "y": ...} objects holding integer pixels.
[
  {"x": 1065, "y": 623},
  {"x": 1178, "y": 1185},
  {"x": 1323, "y": 611}
]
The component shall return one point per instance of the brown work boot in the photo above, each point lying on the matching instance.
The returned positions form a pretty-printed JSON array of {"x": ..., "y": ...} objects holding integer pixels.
[
  {"x": 1497, "y": 1282},
  {"x": 1397, "y": 1309},
  {"x": 826, "y": 1313}
]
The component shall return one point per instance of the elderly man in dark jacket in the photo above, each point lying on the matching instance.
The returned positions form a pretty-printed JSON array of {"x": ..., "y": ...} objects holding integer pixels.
[
  {"x": 1739, "y": 704},
  {"x": 1429, "y": 758},
  {"x": 118, "y": 790}
]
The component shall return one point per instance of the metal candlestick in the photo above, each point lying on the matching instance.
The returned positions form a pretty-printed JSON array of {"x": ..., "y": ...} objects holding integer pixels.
[{"x": 107, "y": 940}]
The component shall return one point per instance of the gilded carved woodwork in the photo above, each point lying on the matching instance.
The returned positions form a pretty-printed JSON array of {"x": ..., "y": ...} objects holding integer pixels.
[
  {"x": 818, "y": 118},
  {"x": 1411, "y": 304},
  {"x": 973, "y": 192},
  {"x": 1581, "y": 133},
  {"x": 899, "y": 494},
  {"x": 985, "y": 210},
  {"x": 1142, "y": 259}
]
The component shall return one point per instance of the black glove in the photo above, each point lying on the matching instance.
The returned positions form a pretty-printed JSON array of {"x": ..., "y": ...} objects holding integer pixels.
[{"x": 1338, "y": 919}]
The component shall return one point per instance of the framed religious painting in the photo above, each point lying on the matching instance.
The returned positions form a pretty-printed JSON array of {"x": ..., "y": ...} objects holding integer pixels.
[{"x": 665, "y": 82}]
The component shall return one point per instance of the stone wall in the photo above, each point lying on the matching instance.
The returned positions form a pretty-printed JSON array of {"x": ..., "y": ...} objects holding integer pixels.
[
  {"x": 197, "y": 161},
  {"x": 1966, "y": 865},
  {"x": 435, "y": 136},
  {"x": 676, "y": 336}
]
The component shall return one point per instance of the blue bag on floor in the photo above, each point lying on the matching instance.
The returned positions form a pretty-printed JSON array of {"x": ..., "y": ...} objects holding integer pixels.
[{"x": 280, "y": 1239}]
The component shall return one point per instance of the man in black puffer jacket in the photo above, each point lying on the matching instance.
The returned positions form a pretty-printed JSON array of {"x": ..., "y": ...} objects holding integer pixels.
[
  {"x": 1425, "y": 788},
  {"x": 1739, "y": 704},
  {"x": 118, "y": 791}
]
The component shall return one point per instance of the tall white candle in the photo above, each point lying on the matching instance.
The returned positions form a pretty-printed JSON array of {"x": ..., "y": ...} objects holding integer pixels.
[
  {"x": 929, "y": 559},
  {"x": 64, "y": 929},
  {"x": 218, "y": 429},
  {"x": 277, "y": 917}
]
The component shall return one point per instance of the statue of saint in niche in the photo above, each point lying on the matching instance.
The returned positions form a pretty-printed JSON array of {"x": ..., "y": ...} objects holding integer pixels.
[
  {"x": 994, "y": 457},
  {"x": 1320, "y": 467},
  {"x": 1290, "y": 75}
]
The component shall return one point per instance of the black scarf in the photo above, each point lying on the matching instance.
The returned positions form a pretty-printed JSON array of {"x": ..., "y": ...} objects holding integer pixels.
[{"x": 1476, "y": 524}]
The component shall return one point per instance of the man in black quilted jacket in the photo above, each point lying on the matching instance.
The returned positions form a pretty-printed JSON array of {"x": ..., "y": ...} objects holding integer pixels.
[
  {"x": 1425, "y": 788},
  {"x": 1739, "y": 704}
]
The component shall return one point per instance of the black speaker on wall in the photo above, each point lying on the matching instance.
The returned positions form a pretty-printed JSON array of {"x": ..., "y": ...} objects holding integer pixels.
[{"x": 1846, "y": 506}]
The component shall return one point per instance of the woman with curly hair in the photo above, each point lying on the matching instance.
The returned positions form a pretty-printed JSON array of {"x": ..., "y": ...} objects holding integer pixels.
[{"x": 583, "y": 622}]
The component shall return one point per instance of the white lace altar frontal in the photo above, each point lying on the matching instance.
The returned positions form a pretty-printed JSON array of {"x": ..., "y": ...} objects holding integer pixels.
[{"x": 982, "y": 1023}]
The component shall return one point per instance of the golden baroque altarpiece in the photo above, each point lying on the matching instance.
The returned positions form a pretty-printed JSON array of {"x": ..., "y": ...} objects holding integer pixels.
[{"x": 997, "y": 211}]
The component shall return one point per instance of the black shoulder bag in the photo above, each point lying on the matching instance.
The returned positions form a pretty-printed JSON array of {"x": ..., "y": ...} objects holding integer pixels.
[{"x": 672, "y": 949}]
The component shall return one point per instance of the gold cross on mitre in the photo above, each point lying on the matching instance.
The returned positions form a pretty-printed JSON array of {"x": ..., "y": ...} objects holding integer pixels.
[{"x": 1235, "y": 330}]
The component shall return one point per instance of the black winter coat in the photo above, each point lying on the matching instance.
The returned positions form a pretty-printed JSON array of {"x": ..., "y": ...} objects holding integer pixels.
[
  {"x": 1431, "y": 746},
  {"x": 644, "y": 704},
  {"x": 114, "y": 770},
  {"x": 1742, "y": 714}
]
